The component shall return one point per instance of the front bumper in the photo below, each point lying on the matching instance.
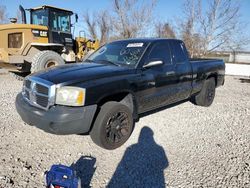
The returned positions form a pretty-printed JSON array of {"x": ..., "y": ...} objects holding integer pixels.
[{"x": 59, "y": 120}]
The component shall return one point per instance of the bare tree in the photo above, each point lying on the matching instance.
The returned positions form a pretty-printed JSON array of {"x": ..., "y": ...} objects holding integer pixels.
[
  {"x": 217, "y": 27},
  {"x": 221, "y": 24},
  {"x": 131, "y": 17},
  {"x": 192, "y": 13},
  {"x": 3, "y": 14},
  {"x": 127, "y": 18},
  {"x": 104, "y": 25},
  {"x": 99, "y": 26},
  {"x": 164, "y": 30},
  {"x": 91, "y": 25}
]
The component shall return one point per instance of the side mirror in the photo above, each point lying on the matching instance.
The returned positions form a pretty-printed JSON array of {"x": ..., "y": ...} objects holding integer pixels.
[
  {"x": 76, "y": 17},
  {"x": 153, "y": 63}
]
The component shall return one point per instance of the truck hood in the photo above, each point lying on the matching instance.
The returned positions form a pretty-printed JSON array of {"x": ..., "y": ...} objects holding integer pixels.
[
  {"x": 81, "y": 72},
  {"x": 21, "y": 26}
]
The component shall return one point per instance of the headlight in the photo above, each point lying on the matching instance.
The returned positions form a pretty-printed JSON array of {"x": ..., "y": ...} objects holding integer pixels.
[{"x": 70, "y": 96}]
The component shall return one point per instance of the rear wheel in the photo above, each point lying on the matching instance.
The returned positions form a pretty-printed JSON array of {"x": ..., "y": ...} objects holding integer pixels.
[
  {"x": 113, "y": 126},
  {"x": 206, "y": 95},
  {"x": 46, "y": 59}
]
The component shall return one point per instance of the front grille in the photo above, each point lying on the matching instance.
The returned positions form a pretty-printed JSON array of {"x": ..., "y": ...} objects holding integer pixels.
[
  {"x": 27, "y": 84},
  {"x": 39, "y": 92},
  {"x": 41, "y": 89},
  {"x": 27, "y": 95},
  {"x": 42, "y": 101}
]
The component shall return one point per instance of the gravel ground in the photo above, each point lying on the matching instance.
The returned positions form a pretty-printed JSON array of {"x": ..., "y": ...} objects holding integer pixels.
[{"x": 184, "y": 146}]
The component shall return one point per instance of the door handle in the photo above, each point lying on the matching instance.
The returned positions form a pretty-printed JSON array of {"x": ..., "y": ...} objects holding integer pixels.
[{"x": 170, "y": 73}]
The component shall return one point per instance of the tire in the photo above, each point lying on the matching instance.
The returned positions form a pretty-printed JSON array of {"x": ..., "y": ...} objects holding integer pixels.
[
  {"x": 46, "y": 59},
  {"x": 113, "y": 126},
  {"x": 206, "y": 96}
]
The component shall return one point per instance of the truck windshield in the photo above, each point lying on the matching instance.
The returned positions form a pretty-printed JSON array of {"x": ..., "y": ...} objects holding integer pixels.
[
  {"x": 39, "y": 17},
  {"x": 122, "y": 53}
]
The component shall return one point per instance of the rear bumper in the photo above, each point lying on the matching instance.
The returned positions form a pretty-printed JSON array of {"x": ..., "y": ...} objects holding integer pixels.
[
  {"x": 13, "y": 63},
  {"x": 59, "y": 120},
  {"x": 9, "y": 67},
  {"x": 10, "y": 59}
]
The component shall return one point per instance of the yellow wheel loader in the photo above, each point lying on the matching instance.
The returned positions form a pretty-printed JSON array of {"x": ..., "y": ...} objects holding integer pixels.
[{"x": 47, "y": 41}]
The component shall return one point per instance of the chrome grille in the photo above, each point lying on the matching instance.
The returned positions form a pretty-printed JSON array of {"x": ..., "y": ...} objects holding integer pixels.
[
  {"x": 41, "y": 89},
  {"x": 43, "y": 101},
  {"x": 39, "y": 92},
  {"x": 27, "y": 83},
  {"x": 26, "y": 94}
]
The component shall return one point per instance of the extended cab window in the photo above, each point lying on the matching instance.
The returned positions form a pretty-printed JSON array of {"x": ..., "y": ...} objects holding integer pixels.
[
  {"x": 160, "y": 51},
  {"x": 178, "y": 52}
]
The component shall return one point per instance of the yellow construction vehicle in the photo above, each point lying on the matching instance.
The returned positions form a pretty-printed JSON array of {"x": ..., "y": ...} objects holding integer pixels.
[{"x": 47, "y": 41}]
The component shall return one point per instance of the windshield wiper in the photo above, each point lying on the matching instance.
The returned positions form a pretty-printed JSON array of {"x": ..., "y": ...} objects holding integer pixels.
[{"x": 110, "y": 62}]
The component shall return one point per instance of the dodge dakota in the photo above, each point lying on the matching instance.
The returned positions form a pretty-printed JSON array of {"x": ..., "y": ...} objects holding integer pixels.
[{"x": 105, "y": 95}]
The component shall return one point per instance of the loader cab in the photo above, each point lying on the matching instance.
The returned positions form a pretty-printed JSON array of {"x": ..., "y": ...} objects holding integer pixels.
[{"x": 58, "y": 22}]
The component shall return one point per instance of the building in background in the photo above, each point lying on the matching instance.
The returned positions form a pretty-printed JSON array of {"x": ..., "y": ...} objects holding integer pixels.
[
  {"x": 232, "y": 56},
  {"x": 239, "y": 57}
]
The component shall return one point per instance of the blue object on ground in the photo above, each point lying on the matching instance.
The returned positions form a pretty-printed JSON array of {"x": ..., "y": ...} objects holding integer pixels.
[{"x": 60, "y": 176}]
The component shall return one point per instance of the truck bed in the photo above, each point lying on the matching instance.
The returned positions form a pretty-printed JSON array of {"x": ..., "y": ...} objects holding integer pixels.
[{"x": 202, "y": 68}]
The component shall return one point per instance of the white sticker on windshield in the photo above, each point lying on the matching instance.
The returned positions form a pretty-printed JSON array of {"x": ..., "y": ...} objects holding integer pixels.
[{"x": 132, "y": 45}]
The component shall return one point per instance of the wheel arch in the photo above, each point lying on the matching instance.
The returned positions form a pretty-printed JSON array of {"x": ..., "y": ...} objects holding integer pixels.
[
  {"x": 125, "y": 97},
  {"x": 33, "y": 48},
  {"x": 215, "y": 76}
]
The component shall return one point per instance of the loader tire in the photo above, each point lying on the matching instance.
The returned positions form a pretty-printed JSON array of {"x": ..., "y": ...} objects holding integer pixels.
[{"x": 46, "y": 59}]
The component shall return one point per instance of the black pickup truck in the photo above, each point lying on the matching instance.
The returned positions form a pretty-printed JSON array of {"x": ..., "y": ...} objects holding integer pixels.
[{"x": 107, "y": 93}]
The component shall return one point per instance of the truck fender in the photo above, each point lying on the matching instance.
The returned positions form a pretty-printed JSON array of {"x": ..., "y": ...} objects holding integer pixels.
[
  {"x": 213, "y": 75},
  {"x": 125, "y": 97}
]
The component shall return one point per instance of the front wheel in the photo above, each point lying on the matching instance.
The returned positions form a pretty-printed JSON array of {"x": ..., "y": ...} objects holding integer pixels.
[{"x": 113, "y": 125}]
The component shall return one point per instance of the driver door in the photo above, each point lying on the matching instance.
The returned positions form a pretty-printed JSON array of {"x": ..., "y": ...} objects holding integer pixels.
[{"x": 158, "y": 83}]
